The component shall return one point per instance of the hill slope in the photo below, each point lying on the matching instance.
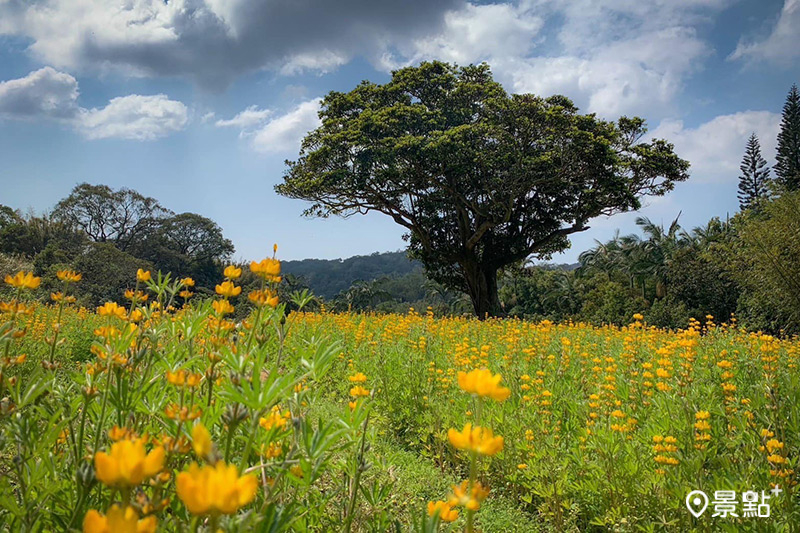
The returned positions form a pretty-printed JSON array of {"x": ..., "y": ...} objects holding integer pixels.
[{"x": 328, "y": 277}]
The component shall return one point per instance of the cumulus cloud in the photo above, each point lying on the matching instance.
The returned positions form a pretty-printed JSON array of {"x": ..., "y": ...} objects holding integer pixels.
[
  {"x": 613, "y": 57},
  {"x": 44, "y": 92},
  {"x": 252, "y": 116},
  {"x": 214, "y": 41},
  {"x": 715, "y": 148},
  {"x": 472, "y": 34},
  {"x": 141, "y": 118},
  {"x": 641, "y": 74},
  {"x": 285, "y": 132},
  {"x": 50, "y": 94},
  {"x": 781, "y": 45}
]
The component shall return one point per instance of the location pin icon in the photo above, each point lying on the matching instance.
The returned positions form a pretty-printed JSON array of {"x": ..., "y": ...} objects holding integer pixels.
[{"x": 696, "y": 502}]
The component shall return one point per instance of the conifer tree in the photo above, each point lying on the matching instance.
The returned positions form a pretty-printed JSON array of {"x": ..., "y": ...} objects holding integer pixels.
[
  {"x": 787, "y": 168},
  {"x": 754, "y": 180}
]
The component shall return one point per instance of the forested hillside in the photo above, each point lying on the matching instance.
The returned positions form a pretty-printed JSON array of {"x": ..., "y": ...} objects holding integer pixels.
[{"x": 329, "y": 277}]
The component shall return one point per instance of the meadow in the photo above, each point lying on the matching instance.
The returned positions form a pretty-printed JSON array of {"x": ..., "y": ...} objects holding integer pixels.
[{"x": 167, "y": 414}]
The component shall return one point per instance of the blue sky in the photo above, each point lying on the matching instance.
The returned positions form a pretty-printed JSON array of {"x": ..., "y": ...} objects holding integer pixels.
[{"x": 199, "y": 102}]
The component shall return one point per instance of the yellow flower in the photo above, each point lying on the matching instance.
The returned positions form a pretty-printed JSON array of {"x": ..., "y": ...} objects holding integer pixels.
[
  {"x": 177, "y": 378},
  {"x": 477, "y": 439},
  {"x": 702, "y": 425},
  {"x": 444, "y": 509},
  {"x": 23, "y": 280},
  {"x": 263, "y": 297},
  {"x": 232, "y": 272},
  {"x": 118, "y": 433},
  {"x": 774, "y": 444},
  {"x": 358, "y": 378},
  {"x": 15, "y": 307},
  {"x": 111, "y": 309},
  {"x": 268, "y": 269},
  {"x": 702, "y": 415},
  {"x": 274, "y": 419},
  {"x": 358, "y": 390},
  {"x": 118, "y": 520},
  {"x": 187, "y": 282},
  {"x": 70, "y": 276},
  {"x": 143, "y": 275},
  {"x": 522, "y": 466},
  {"x": 128, "y": 464},
  {"x": 136, "y": 295},
  {"x": 201, "y": 440},
  {"x": 483, "y": 383},
  {"x": 776, "y": 459},
  {"x": 215, "y": 489},
  {"x": 222, "y": 307},
  {"x": 228, "y": 289},
  {"x": 471, "y": 499}
]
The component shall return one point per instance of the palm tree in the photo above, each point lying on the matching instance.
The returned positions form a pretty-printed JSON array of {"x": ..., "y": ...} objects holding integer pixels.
[
  {"x": 715, "y": 230},
  {"x": 604, "y": 257},
  {"x": 659, "y": 248},
  {"x": 565, "y": 294}
]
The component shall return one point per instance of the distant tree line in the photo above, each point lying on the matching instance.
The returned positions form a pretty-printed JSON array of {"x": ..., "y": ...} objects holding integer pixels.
[{"x": 107, "y": 235}]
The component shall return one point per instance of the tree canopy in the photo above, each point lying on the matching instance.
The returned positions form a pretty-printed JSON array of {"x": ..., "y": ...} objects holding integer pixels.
[
  {"x": 121, "y": 217},
  {"x": 480, "y": 178}
]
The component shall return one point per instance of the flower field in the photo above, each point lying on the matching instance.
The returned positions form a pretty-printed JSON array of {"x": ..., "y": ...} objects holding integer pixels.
[{"x": 168, "y": 414}]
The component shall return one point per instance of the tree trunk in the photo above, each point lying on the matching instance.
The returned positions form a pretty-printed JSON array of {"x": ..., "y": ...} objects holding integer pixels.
[{"x": 482, "y": 286}]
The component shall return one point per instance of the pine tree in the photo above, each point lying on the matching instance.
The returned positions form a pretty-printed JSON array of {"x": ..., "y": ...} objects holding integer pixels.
[
  {"x": 754, "y": 181},
  {"x": 787, "y": 167}
]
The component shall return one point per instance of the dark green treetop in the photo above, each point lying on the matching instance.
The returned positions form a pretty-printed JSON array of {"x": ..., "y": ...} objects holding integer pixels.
[
  {"x": 754, "y": 181},
  {"x": 787, "y": 166}
]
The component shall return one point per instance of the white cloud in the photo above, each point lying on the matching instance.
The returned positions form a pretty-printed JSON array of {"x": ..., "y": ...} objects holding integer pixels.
[
  {"x": 643, "y": 74},
  {"x": 475, "y": 33},
  {"x": 44, "y": 92},
  {"x": 612, "y": 57},
  {"x": 252, "y": 116},
  {"x": 322, "y": 61},
  {"x": 207, "y": 116},
  {"x": 136, "y": 117},
  {"x": 214, "y": 41},
  {"x": 52, "y": 95},
  {"x": 285, "y": 132},
  {"x": 782, "y": 44},
  {"x": 715, "y": 148}
]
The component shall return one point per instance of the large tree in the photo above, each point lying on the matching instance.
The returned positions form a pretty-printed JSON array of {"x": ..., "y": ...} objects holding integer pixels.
[
  {"x": 480, "y": 178},
  {"x": 122, "y": 217},
  {"x": 187, "y": 244},
  {"x": 754, "y": 180},
  {"x": 787, "y": 167}
]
